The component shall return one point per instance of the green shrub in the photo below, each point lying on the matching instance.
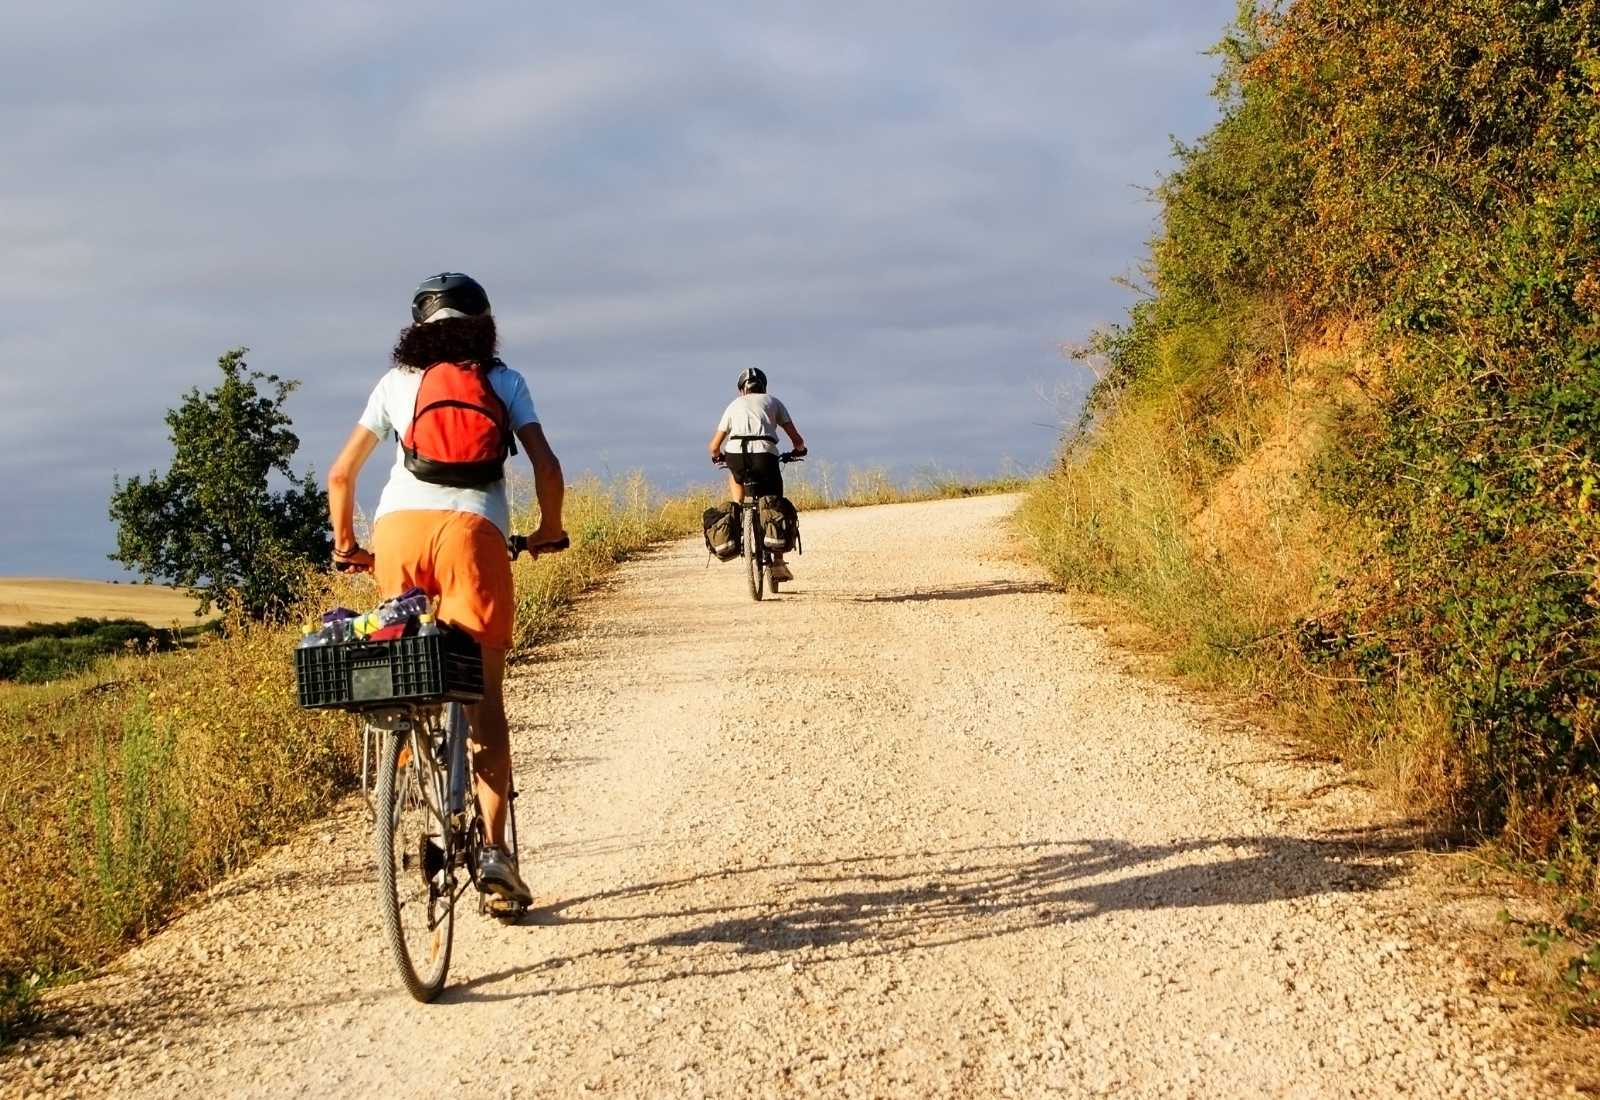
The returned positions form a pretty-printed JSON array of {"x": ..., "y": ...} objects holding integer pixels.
[
  {"x": 1432, "y": 169},
  {"x": 136, "y": 820},
  {"x": 39, "y": 652},
  {"x": 73, "y": 628}
]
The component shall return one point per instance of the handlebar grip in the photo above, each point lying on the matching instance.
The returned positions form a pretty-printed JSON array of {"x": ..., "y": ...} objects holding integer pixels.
[{"x": 518, "y": 544}]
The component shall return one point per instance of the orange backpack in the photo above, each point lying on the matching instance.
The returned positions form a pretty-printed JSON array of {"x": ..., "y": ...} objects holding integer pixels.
[{"x": 460, "y": 432}]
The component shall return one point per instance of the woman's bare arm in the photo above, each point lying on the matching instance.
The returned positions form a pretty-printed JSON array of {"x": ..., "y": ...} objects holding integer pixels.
[
  {"x": 342, "y": 477},
  {"x": 548, "y": 483}
]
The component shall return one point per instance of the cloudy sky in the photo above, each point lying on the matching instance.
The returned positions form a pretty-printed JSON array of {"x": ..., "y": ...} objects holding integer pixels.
[{"x": 900, "y": 210}]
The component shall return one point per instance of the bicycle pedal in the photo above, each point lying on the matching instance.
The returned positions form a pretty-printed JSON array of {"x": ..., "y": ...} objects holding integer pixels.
[{"x": 502, "y": 909}]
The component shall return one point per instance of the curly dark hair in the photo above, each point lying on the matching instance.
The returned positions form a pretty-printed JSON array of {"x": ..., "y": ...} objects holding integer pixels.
[{"x": 452, "y": 340}]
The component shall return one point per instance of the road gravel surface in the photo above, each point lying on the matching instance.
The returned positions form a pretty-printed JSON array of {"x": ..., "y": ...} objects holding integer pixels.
[{"x": 912, "y": 828}]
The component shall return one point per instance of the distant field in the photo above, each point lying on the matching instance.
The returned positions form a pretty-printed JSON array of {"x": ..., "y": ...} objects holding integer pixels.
[{"x": 52, "y": 600}]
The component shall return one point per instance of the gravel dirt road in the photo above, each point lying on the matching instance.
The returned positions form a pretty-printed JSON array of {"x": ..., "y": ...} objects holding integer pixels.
[{"x": 910, "y": 830}]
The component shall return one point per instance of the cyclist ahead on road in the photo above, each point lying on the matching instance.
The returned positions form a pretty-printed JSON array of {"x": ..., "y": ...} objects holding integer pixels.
[
  {"x": 746, "y": 441},
  {"x": 444, "y": 517}
]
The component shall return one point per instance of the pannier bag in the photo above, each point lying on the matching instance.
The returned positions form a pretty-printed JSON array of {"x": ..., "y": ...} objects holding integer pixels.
[
  {"x": 460, "y": 431},
  {"x": 722, "y": 531},
  {"x": 780, "y": 524}
]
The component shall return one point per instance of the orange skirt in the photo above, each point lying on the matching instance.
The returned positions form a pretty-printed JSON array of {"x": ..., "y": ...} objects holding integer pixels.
[{"x": 459, "y": 557}]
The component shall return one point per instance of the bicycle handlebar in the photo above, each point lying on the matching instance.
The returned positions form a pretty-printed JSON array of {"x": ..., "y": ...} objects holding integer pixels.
[
  {"x": 785, "y": 458},
  {"x": 516, "y": 546}
]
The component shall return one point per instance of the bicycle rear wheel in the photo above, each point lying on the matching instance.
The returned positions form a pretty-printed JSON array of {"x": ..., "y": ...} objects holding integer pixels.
[
  {"x": 753, "y": 551},
  {"x": 414, "y": 883}
]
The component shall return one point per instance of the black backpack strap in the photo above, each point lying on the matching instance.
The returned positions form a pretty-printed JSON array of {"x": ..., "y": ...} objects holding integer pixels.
[{"x": 454, "y": 404}]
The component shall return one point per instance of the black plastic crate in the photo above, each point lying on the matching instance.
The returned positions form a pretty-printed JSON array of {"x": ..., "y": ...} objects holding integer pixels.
[{"x": 355, "y": 675}]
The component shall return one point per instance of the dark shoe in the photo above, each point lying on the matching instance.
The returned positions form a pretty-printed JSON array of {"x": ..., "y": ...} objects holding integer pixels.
[
  {"x": 497, "y": 874},
  {"x": 780, "y": 572}
]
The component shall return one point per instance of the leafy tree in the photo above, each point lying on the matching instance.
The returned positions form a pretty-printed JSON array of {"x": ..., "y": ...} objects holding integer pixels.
[{"x": 213, "y": 524}]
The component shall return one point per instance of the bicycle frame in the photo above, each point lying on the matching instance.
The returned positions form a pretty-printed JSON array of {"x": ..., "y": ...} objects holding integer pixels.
[{"x": 438, "y": 738}]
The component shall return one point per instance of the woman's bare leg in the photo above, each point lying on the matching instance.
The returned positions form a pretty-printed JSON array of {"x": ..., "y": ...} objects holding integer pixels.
[{"x": 491, "y": 746}]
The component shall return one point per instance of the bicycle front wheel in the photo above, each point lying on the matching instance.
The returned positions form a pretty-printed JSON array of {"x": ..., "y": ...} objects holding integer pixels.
[
  {"x": 414, "y": 885},
  {"x": 752, "y": 551}
]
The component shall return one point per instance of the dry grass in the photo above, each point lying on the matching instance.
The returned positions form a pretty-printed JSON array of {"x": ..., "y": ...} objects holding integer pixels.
[
  {"x": 53, "y": 600},
  {"x": 820, "y": 486},
  {"x": 129, "y": 787},
  {"x": 124, "y": 789},
  {"x": 1207, "y": 530}
]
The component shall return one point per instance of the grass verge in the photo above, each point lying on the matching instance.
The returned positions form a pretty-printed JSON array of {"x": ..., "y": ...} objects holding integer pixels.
[
  {"x": 1209, "y": 530},
  {"x": 127, "y": 787},
  {"x": 821, "y": 486},
  {"x": 1210, "y": 536}
]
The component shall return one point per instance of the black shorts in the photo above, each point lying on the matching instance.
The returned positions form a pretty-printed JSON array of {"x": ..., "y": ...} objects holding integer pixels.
[{"x": 763, "y": 468}]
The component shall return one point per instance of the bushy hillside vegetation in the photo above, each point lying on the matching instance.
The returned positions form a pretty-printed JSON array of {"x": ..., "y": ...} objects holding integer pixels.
[
  {"x": 37, "y": 652},
  {"x": 1344, "y": 452}
]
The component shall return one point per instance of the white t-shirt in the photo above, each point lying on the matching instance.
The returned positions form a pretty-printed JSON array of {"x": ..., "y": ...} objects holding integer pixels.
[
  {"x": 389, "y": 410},
  {"x": 753, "y": 414}
]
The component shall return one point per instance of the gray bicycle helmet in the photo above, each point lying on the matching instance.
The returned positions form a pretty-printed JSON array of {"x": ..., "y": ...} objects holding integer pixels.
[
  {"x": 752, "y": 380},
  {"x": 448, "y": 294}
]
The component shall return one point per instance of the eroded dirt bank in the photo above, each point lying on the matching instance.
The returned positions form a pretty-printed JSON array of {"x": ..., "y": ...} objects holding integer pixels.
[{"x": 907, "y": 831}]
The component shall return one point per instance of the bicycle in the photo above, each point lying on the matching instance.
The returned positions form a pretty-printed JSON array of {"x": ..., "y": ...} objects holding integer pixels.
[
  {"x": 416, "y": 771},
  {"x": 752, "y": 547}
]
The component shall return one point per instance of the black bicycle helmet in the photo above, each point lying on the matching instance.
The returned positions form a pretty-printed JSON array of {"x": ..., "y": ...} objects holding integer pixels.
[
  {"x": 449, "y": 290},
  {"x": 752, "y": 380}
]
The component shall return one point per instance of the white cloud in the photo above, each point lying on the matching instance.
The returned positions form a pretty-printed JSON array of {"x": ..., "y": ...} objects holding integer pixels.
[
  {"x": 881, "y": 202},
  {"x": 530, "y": 99}
]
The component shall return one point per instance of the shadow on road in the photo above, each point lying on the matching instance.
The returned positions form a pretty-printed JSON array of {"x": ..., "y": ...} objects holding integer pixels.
[
  {"x": 746, "y": 920},
  {"x": 982, "y": 591},
  {"x": 880, "y": 905}
]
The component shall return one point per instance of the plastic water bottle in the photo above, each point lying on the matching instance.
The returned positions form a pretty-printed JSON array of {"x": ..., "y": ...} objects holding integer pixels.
[
  {"x": 401, "y": 608},
  {"x": 336, "y": 626},
  {"x": 426, "y": 627},
  {"x": 311, "y": 637}
]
